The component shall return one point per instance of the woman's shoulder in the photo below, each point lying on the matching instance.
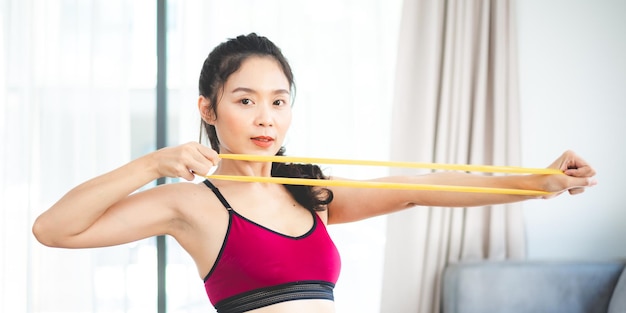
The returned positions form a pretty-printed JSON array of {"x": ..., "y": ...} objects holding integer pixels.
[{"x": 186, "y": 196}]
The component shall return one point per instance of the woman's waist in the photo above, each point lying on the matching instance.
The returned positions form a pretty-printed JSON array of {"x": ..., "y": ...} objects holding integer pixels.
[{"x": 300, "y": 306}]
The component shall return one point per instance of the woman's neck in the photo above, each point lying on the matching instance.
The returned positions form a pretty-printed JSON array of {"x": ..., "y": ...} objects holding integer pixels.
[{"x": 244, "y": 168}]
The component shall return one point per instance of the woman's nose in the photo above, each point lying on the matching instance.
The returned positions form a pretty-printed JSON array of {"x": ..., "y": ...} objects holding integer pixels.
[{"x": 264, "y": 116}]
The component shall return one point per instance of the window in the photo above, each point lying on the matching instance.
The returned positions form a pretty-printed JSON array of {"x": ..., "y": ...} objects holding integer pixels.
[{"x": 77, "y": 83}]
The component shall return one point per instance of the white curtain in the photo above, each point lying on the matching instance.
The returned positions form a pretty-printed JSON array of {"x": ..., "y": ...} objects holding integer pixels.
[
  {"x": 77, "y": 98},
  {"x": 456, "y": 98},
  {"x": 72, "y": 71}
]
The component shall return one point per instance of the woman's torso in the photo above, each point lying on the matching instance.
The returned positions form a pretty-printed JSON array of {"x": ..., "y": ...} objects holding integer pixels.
[{"x": 206, "y": 222}]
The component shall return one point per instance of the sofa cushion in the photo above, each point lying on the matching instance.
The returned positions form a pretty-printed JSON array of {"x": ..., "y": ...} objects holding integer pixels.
[
  {"x": 512, "y": 287},
  {"x": 618, "y": 301}
]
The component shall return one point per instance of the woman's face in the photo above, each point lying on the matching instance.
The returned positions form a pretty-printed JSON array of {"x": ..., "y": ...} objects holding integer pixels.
[{"x": 254, "y": 110}]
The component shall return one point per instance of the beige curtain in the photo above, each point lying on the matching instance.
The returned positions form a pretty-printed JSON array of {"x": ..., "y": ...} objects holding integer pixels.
[{"x": 455, "y": 102}]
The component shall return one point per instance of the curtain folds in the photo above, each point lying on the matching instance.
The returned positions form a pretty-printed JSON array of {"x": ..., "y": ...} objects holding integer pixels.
[{"x": 456, "y": 99}]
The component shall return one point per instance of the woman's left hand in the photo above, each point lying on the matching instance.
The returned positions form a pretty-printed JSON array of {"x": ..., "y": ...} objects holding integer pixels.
[{"x": 579, "y": 175}]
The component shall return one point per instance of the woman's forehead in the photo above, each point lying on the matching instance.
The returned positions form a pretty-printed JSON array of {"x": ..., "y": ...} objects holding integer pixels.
[{"x": 259, "y": 73}]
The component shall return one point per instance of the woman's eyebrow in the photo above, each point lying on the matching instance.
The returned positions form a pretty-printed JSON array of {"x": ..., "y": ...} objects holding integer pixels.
[
  {"x": 243, "y": 90},
  {"x": 250, "y": 90},
  {"x": 281, "y": 91}
]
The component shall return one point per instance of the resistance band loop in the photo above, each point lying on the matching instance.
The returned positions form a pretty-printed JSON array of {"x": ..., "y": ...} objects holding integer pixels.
[
  {"x": 437, "y": 166},
  {"x": 376, "y": 185},
  {"x": 384, "y": 185}
]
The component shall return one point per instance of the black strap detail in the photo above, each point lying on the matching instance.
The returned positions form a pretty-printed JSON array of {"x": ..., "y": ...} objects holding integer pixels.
[
  {"x": 271, "y": 295},
  {"x": 218, "y": 194}
]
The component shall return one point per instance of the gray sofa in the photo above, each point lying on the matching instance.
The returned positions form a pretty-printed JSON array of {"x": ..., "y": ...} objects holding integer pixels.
[{"x": 537, "y": 287}]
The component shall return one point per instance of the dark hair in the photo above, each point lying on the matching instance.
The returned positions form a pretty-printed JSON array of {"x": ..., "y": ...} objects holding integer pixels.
[{"x": 226, "y": 59}]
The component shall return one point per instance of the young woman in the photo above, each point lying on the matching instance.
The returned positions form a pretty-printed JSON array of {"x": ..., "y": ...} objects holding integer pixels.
[{"x": 259, "y": 247}]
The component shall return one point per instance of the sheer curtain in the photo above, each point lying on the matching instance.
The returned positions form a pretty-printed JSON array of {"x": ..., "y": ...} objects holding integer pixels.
[
  {"x": 77, "y": 99},
  {"x": 456, "y": 95},
  {"x": 73, "y": 73}
]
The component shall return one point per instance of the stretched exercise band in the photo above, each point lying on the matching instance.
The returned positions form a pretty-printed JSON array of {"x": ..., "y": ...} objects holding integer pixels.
[
  {"x": 436, "y": 166},
  {"x": 384, "y": 185},
  {"x": 377, "y": 185}
]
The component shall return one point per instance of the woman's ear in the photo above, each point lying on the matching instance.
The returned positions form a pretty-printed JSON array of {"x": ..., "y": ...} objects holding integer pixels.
[{"x": 206, "y": 112}]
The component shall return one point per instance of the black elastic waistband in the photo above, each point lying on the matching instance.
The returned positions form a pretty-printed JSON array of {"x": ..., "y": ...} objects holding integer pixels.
[{"x": 267, "y": 296}]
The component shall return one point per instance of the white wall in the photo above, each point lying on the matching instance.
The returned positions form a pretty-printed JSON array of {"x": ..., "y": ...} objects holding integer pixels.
[{"x": 572, "y": 58}]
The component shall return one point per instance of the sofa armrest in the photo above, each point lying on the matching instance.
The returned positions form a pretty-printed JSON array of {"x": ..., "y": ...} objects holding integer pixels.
[{"x": 618, "y": 300}]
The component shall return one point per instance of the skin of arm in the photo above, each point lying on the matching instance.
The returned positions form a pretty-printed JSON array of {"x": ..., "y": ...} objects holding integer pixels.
[
  {"x": 353, "y": 204},
  {"x": 102, "y": 211}
]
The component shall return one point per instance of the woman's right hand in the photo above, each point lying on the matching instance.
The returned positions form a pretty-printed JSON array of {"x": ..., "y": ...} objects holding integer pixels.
[{"x": 184, "y": 160}]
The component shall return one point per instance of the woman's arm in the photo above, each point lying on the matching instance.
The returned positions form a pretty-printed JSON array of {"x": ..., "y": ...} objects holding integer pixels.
[
  {"x": 352, "y": 204},
  {"x": 100, "y": 212}
]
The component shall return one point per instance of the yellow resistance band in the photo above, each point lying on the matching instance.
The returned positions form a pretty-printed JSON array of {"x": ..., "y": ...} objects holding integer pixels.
[
  {"x": 384, "y": 185},
  {"x": 437, "y": 166}
]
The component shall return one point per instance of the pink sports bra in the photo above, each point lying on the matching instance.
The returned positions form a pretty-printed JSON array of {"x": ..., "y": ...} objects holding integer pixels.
[{"x": 257, "y": 266}]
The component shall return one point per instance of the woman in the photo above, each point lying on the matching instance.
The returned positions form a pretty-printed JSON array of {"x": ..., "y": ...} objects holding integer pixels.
[{"x": 259, "y": 247}]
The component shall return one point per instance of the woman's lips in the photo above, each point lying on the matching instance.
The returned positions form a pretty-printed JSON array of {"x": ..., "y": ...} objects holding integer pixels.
[{"x": 263, "y": 141}]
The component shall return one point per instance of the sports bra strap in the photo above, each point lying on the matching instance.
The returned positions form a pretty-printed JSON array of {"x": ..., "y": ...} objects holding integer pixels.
[{"x": 218, "y": 194}]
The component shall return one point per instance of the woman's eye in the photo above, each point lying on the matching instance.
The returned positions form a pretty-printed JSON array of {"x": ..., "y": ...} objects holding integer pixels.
[
  {"x": 246, "y": 101},
  {"x": 279, "y": 102}
]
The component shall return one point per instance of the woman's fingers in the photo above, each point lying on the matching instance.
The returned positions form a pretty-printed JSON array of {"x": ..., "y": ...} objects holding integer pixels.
[
  {"x": 579, "y": 174},
  {"x": 186, "y": 160},
  {"x": 573, "y": 165},
  {"x": 201, "y": 160},
  {"x": 577, "y": 168},
  {"x": 578, "y": 185},
  {"x": 583, "y": 171}
]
